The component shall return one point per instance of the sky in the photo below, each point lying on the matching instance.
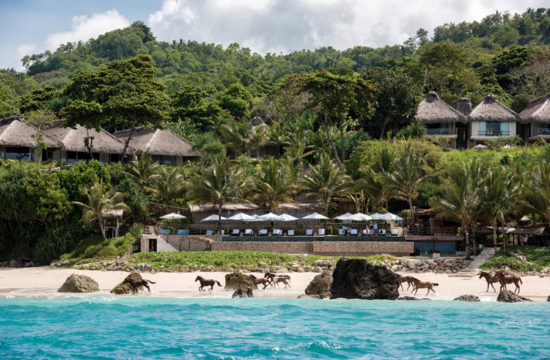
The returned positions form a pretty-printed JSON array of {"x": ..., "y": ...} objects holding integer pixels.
[{"x": 276, "y": 26}]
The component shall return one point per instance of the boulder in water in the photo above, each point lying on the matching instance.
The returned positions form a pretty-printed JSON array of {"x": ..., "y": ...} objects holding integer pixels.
[
  {"x": 357, "y": 279},
  {"x": 319, "y": 287},
  {"x": 237, "y": 280},
  {"x": 243, "y": 293},
  {"x": 124, "y": 287},
  {"x": 79, "y": 284},
  {"x": 470, "y": 298},
  {"x": 509, "y": 296},
  {"x": 411, "y": 298}
]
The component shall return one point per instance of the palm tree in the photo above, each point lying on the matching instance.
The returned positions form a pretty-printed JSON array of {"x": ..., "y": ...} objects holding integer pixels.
[
  {"x": 374, "y": 181},
  {"x": 500, "y": 193},
  {"x": 234, "y": 135},
  {"x": 461, "y": 201},
  {"x": 536, "y": 197},
  {"x": 143, "y": 170},
  {"x": 99, "y": 202},
  {"x": 217, "y": 184},
  {"x": 278, "y": 135},
  {"x": 256, "y": 139},
  {"x": 272, "y": 184},
  {"x": 325, "y": 181},
  {"x": 169, "y": 185}
]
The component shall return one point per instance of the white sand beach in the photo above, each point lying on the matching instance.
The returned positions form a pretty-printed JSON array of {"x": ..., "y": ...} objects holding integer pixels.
[{"x": 44, "y": 282}]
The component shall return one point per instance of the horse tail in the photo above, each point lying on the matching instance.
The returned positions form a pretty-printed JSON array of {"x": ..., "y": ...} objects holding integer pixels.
[
  {"x": 152, "y": 282},
  {"x": 218, "y": 283},
  {"x": 436, "y": 284}
]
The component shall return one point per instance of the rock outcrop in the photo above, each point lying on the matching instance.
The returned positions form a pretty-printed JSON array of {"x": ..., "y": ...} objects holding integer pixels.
[
  {"x": 79, "y": 284},
  {"x": 243, "y": 293},
  {"x": 124, "y": 287},
  {"x": 237, "y": 280},
  {"x": 357, "y": 279},
  {"x": 411, "y": 298},
  {"x": 509, "y": 297},
  {"x": 470, "y": 298},
  {"x": 319, "y": 287},
  {"x": 441, "y": 265}
]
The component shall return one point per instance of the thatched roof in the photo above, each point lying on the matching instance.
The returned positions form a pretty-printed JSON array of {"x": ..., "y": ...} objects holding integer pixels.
[
  {"x": 73, "y": 140},
  {"x": 257, "y": 121},
  {"x": 283, "y": 206},
  {"x": 433, "y": 110},
  {"x": 531, "y": 230},
  {"x": 537, "y": 111},
  {"x": 464, "y": 105},
  {"x": 14, "y": 132},
  {"x": 490, "y": 109},
  {"x": 158, "y": 142}
]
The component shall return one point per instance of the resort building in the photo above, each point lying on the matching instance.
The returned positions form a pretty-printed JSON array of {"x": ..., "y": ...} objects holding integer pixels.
[
  {"x": 19, "y": 141},
  {"x": 165, "y": 147},
  {"x": 106, "y": 148},
  {"x": 535, "y": 120},
  {"x": 491, "y": 119},
  {"x": 441, "y": 119}
]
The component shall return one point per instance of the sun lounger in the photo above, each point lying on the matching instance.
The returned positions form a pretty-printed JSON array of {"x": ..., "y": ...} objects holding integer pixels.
[
  {"x": 394, "y": 232},
  {"x": 209, "y": 233},
  {"x": 164, "y": 232},
  {"x": 321, "y": 232},
  {"x": 248, "y": 232},
  {"x": 235, "y": 232},
  {"x": 382, "y": 232},
  {"x": 182, "y": 232},
  {"x": 341, "y": 231},
  {"x": 221, "y": 232},
  {"x": 309, "y": 232},
  {"x": 262, "y": 232},
  {"x": 277, "y": 232},
  {"x": 290, "y": 232},
  {"x": 353, "y": 232}
]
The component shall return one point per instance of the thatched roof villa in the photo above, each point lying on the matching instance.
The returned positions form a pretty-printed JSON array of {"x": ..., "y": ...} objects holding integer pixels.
[
  {"x": 18, "y": 140},
  {"x": 165, "y": 146},
  {"x": 491, "y": 119},
  {"x": 105, "y": 146},
  {"x": 536, "y": 119},
  {"x": 439, "y": 118}
]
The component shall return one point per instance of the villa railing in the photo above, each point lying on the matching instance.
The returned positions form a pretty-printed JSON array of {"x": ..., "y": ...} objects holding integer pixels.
[
  {"x": 543, "y": 131},
  {"x": 493, "y": 133},
  {"x": 441, "y": 131}
]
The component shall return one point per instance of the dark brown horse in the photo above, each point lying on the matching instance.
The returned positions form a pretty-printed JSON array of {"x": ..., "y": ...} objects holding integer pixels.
[
  {"x": 504, "y": 279},
  {"x": 490, "y": 278},
  {"x": 207, "y": 282},
  {"x": 408, "y": 279},
  {"x": 257, "y": 281},
  {"x": 423, "y": 285},
  {"x": 136, "y": 285},
  {"x": 275, "y": 279}
]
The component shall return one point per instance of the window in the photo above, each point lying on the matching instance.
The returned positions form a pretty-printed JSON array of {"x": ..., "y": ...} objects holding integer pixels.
[
  {"x": 437, "y": 129},
  {"x": 493, "y": 128},
  {"x": 18, "y": 153},
  {"x": 165, "y": 160}
]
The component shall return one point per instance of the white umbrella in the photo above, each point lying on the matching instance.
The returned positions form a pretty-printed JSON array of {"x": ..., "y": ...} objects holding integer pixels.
[
  {"x": 480, "y": 146},
  {"x": 172, "y": 216},
  {"x": 242, "y": 217},
  {"x": 385, "y": 217},
  {"x": 359, "y": 217},
  {"x": 314, "y": 216},
  {"x": 286, "y": 217},
  {"x": 213, "y": 217},
  {"x": 269, "y": 217},
  {"x": 344, "y": 217}
]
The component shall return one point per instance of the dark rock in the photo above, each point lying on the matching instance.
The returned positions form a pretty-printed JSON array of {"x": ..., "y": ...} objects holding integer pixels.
[
  {"x": 470, "y": 298},
  {"x": 320, "y": 285},
  {"x": 243, "y": 293},
  {"x": 124, "y": 287},
  {"x": 548, "y": 299},
  {"x": 410, "y": 298},
  {"x": 79, "y": 284},
  {"x": 304, "y": 296},
  {"x": 237, "y": 280},
  {"x": 509, "y": 296},
  {"x": 357, "y": 279}
]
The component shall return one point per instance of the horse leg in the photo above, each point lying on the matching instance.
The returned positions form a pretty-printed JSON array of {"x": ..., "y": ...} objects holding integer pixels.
[
  {"x": 416, "y": 290},
  {"x": 493, "y": 286},
  {"x": 488, "y": 286}
]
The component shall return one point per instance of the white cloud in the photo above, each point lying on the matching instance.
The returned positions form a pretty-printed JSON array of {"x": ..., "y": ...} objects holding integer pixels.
[
  {"x": 25, "y": 49},
  {"x": 286, "y": 25},
  {"x": 85, "y": 27}
]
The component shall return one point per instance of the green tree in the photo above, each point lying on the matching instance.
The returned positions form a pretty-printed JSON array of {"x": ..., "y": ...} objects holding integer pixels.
[
  {"x": 271, "y": 184},
  {"x": 536, "y": 194},
  {"x": 143, "y": 170},
  {"x": 237, "y": 100},
  {"x": 100, "y": 201},
  {"x": 169, "y": 185},
  {"x": 195, "y": 104}
]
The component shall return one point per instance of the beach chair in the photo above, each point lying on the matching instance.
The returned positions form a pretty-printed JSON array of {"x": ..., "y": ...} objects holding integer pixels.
[
  {"x": 394, "y": 232},
  {"x": 221, "y": 232},
  {"x": 364, "y": 232},
  {"x": 309, "y": 232},
  {"x": 382, "y": 232},
  {"x": 277, "y": 232},
  {"x": 248, "y": 232},
  {"x": 209, "y": 233},
  {"x": 321, "y": 232},
  {"x": 353, "y": 232},
  {"x": 342, "y": 231},
  {"x": 290, "y": 232},
  {"x": 182, "y": 232},
  {"x": 262, "y": 232},
  {"x": 235, "y": 232},
  {"x": 164, "y": 232}
]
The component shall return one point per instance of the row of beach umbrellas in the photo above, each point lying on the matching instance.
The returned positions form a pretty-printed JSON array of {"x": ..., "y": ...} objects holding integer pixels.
[{"x": 314, "y": 216}]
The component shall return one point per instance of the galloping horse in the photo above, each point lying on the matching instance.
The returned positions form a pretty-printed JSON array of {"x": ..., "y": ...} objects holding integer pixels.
[
  {"x": 490, "y": 278},
  {"x": 424, "y": 285},
  {"x": 265, "y": 282},
  {"x": 408, "y": 280},
  {"x": 135, "y": 285},
  {"x": 504, "y": 279},
  {"x": 207, "y": 282},
  {"x": 276, "y": 279}
]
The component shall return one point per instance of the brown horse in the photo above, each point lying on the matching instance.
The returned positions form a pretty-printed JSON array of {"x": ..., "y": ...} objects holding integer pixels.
[
  {"x": 263, "y": 281},
  {"x": 423, "y": 285},
  {"x": 136, "y": 285},
  {"x": 207, "y": 282},
  {"x": 275, "y": 279},
  {"x": 504, "y": 279},
  {"x": 408, "y": 280},
  {"x": 490, "y": 278}
]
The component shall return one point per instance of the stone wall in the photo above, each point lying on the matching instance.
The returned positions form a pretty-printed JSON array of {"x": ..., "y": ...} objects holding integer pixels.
[{"x": 272, "y": 246}]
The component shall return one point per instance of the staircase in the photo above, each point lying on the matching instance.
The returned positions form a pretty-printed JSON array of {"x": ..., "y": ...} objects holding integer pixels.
[{"x": 474, "y": 266}]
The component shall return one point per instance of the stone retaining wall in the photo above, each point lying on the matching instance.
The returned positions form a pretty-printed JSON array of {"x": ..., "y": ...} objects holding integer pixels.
[{"x": 274, "y": 246}]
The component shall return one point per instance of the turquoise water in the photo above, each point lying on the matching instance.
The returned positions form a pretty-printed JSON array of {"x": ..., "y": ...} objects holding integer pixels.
[{"x": 143, "y": 327}]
